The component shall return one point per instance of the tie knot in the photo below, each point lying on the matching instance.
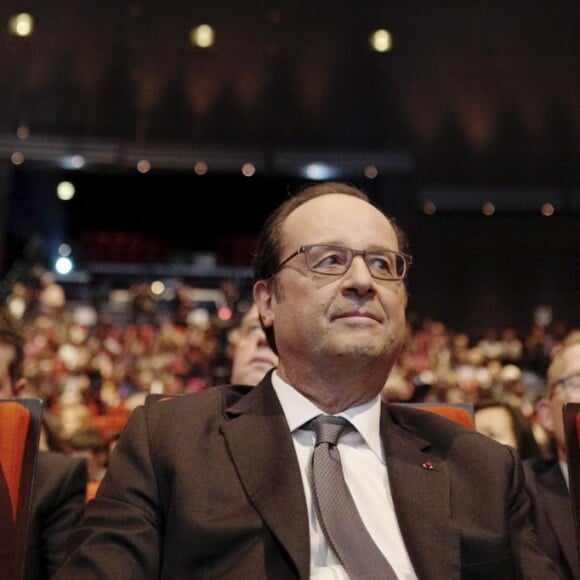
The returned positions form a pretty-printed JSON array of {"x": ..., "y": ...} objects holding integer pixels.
[{"x": 329, "y": 429}]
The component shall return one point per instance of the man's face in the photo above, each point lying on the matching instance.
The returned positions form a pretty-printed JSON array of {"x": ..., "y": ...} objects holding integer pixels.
[
  {"x": 253, "y": 358},
  {"x": 322, "y": 318},
  {"x": 7, "y": 354},
  {"x": 569, "y": 365}
]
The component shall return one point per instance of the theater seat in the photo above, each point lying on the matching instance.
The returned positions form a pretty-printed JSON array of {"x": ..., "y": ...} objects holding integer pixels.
[
  {"x": 19, "y": 437},
  {"x": 571, "y": 413},
  {"x": 459, "y": 412}
]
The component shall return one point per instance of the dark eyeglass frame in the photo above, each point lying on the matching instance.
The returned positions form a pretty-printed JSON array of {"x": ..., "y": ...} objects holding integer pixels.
[
  {"x": 562, "y": 384},
  {"x": 407, "y": 260}
]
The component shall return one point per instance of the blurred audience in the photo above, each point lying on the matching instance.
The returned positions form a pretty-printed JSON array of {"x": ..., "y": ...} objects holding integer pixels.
[
  {"x": 60, "y": 483},
  {"x": 547, "y": 479},
  {"x": 93, "y": 366},
  {"x": 508, "y": 425}
]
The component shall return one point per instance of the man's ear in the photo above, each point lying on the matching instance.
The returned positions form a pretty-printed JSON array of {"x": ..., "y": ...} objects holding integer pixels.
[
  {"x": 263, "y": 297},
  {"x": 544, "y": 417}
]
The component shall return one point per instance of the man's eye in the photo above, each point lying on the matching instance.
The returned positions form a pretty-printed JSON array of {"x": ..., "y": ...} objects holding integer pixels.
[
  {"x": 381, "y": 263},
  {"x": 331, "y": 259}
]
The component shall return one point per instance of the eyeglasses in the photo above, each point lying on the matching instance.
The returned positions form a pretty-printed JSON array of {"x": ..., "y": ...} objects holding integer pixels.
[
  {"x": 570, "y": 385},
  {"x": 336, "y": 261}
]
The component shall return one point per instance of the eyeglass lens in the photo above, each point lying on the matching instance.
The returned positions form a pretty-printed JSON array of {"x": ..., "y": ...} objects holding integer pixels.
[{"x": 337, "y": 260}]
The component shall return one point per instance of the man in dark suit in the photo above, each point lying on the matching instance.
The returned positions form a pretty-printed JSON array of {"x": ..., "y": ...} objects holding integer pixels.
[
  {"x": 547, "y": 479},
  {"x": 217, "y": 484},
  {"x": 60, "y": 483}
]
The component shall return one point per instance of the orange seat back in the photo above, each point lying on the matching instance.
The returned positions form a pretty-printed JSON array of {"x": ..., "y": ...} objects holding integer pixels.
[
  {"x": 462, "y": 413},
  {"x": 459, "y": 412},
  {"x": 19, "y": 437},
  {"x": 14, "y": 425}
]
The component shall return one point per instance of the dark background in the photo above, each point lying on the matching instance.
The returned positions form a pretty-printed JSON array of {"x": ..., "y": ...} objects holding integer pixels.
[{"x": 477, "y": 101}]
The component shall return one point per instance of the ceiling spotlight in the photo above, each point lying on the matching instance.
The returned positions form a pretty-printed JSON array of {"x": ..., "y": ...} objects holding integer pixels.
[
  {"x": 381, "y": 40},
  {"x": 77, "y": 161},
  {"x": 65, "y": 190},
  {"x": 21, "y": 25},
  {"x": 318, "y": 171},
  {"x": 202, "y": 36}
]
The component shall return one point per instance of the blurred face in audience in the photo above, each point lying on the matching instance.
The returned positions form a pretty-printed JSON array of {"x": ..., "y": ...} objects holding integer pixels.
[
  {"x": 564, "y": 386},
  {"x": 6, "y": 356},
  {"x": 253, "y": 358},
  {"x": 8, "y": 387},
  {"x": 496, "y": 422}
]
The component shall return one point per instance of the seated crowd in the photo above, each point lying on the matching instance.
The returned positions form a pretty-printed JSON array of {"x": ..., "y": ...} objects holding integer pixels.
[{"x": 91, "y": 376}]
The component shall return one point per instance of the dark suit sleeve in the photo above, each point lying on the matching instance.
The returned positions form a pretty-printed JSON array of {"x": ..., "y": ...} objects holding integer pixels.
[
  {"x": 119, "y": 535},
  {"x": 533, "y": 563},
  {"x": 58, "y": 505}
]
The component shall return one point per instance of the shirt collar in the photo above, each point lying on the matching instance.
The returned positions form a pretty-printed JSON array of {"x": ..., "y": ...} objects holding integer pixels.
[{"x": 299, "y": 410}]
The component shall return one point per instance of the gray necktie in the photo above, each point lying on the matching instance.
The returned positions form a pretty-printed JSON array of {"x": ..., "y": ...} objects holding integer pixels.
[{"x": 337, "y": 512}]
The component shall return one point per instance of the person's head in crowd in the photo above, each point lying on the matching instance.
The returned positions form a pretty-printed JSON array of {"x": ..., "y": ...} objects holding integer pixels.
[
  {"x": 563, "y": 384},
  {"x": 506, "y": 423},
  {"x": 252, "y": 356},
  {"x": 90, "y": 444}
]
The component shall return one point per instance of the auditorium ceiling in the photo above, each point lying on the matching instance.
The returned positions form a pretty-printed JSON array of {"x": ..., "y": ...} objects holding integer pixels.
[{"x": 471, "y": 90}]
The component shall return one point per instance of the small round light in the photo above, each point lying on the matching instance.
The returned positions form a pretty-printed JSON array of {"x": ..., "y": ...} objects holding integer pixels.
[
  {"x": 381, "y": 40},
  {"x": 488, "y": 208},
  {"x": 371, "y": 172},
  {"x": 65, "y": 190},
  {"x": 248, "y": 169},
  {"x": 548, "y": 209},
  {"x": 143, "y": 166},
  {"x": 200, "y": 168}
]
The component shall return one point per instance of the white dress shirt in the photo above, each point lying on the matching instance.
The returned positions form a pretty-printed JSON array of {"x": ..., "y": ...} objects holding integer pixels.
[{"x": 365, "y": 470}]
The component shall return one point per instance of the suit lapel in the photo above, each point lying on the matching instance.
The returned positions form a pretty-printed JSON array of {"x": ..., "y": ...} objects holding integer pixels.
[
  {"x": 262, "y": 451},
  {"x": 421, "y": 490}
]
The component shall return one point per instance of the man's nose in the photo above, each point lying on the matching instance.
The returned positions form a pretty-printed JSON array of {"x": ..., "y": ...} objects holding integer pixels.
[{"x": 358, "y": 275}]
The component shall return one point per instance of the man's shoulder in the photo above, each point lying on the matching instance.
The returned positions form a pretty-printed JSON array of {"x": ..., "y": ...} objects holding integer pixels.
[
  {"x": 440, "y": 431},
  {"x": 55, "y": 460},
  {"x": 406, "y": 413},
  {"x": 211, "y": 396}
]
